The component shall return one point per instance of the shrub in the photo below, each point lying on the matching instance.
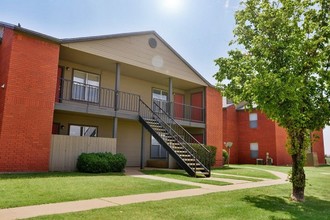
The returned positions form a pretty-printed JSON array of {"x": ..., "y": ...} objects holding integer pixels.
[
  {"x": 225, "y": 155},
  {"x": 204, "y": 157},
  {"x": 117, "y": 163},
  {"x": 101, "y": 162}
]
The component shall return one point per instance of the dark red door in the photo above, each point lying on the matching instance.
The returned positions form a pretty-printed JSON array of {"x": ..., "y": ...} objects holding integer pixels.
[
  {"x": 178, "y": 106},
  {"x": 56, "y": 128},
  {"x": 58, "y": 84},
  {"x": 197, "y": 106}
]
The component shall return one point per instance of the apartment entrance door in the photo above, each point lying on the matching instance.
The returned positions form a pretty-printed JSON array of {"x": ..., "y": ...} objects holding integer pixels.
[
  {"x": 197, "y": 106},
  {"x": 178, "y": 106}
]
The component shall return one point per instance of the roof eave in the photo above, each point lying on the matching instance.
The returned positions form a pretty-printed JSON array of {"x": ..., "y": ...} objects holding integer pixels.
[{"x": 30, "y": 32}]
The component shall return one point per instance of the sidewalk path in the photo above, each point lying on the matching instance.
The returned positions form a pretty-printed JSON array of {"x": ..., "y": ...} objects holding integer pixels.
[{"x": 83, "y": 205}]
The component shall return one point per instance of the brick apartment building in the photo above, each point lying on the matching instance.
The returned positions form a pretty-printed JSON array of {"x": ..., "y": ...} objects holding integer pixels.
[
  {"x": 117, "y": 93},
  {"x": 126, "y": 93},
  {"x": 254, "y": 136}
]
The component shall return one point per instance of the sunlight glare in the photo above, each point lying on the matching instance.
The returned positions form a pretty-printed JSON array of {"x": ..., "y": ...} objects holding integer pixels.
[{"x": 173, "y": 5}]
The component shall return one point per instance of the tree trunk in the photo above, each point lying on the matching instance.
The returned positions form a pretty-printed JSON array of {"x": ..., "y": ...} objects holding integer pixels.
[
  {"x": 298, "y": 179},
  {"x": 298, "y": 154}
]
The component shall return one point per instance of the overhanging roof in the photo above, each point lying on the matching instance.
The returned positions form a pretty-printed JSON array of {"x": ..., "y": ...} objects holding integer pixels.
[{"x": 102, "y": 37}]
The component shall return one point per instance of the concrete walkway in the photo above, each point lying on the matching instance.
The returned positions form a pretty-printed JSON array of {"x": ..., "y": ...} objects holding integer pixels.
[{"x": 83, "y": 205}]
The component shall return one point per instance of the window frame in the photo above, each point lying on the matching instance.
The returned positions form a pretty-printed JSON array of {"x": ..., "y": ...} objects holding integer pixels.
[
  {"x": 85, "y": 87},
  {"x": 81, "y": 130},
  {"x": 160, "y": 148},
  {"x": 163, "y": 103},
  {"x": 254, "y": 154},
  {"x": 253, "y": 123}
]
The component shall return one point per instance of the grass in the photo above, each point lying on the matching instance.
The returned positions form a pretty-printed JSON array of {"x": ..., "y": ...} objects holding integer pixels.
[
  {"x": 41, "y": 188},
  {"x": 251, "y": 179},
  {"x": 245, "y": 170},
  {"x": 259, "y": 203},
  {"x": 182, "y": 175}
]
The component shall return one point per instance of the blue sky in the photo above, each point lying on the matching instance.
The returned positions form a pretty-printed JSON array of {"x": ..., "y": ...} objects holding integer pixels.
[{"x": 199, "y": 30}]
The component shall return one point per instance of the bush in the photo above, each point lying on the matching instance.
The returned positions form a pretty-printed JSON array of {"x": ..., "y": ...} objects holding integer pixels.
[
  {"x": 225, "y": 155},
  {"x": 101, "y": 162},
  {"x": 117, "y": 163},
  {"x": 203, "y": 157}
]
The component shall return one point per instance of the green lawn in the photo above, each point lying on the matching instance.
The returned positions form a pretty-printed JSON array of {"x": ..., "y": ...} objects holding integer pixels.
[
  {"x": 245, "y": 170},
  {"x": 234, "y": 177},
  {"x": 259, "y": 203},
  {"x": 182, "y": 175},
  {"x": 40, "y": 188}
]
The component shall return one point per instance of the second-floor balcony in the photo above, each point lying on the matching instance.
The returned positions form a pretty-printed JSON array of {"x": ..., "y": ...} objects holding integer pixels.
[
  {"x": 82, "y": 97},
  {"x": 181, "y": 111}
]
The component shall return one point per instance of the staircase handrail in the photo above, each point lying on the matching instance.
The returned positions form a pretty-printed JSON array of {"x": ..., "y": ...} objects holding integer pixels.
[
  {"x": 165, "y": 123},
  {"x": 196, "y": 141},
  {"x": 204, "y": 161}
]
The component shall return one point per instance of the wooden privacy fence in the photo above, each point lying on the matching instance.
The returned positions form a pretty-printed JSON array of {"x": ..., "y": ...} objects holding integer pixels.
[{"x": 66, "y": 149}]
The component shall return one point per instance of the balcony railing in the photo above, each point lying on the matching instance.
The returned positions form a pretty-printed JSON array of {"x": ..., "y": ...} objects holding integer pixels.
[
  {"x": 72, "y": 91},
  {"x": 181, "y": 111}
]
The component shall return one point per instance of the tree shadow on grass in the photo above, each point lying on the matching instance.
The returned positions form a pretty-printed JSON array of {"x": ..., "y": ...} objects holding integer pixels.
[
  {"x": 312, "y": 208},
  {"x": 54, "y": 174}
]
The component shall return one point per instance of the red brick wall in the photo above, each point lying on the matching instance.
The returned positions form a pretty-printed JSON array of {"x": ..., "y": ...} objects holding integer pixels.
[
  {"x": 270, "y": 137},
  {"x": 282, "y": 156},
  {"x": 264, "y": 135},
  {"x": 5, "y": 49},
  {"x": 27, "y": 114},
  {"x": 230, "y": 131},
  {"x": 214, "y": 125},
  {"x": 318, "y": 146}
]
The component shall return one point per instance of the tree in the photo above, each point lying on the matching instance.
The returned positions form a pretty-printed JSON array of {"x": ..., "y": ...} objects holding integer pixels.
[{"x": 282, "y": 67}]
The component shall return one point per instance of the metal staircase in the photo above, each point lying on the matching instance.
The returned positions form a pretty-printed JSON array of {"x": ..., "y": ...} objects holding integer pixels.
[{"x": 176, "y": 140}]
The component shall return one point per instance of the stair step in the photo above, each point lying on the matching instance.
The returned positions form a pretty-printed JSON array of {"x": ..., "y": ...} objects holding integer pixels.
[
  {"x": 198, "y": 168},
  {"x": 151, "y": 121},
  {"x": 176, "y": 147},
  {"x": 170, "y": 141},
  {"x": 184, "y": 155},
  {"x": 173, "y": 143},
  {"x": 158, "y": 128},
  {"x": 181, "y": 152},
  {"x": 192, "y": 165},
  {"x": 188, "y": 160}
]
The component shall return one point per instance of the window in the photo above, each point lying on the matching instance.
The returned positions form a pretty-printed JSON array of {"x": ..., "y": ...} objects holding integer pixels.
[
  {"x": 157, "y": 150},
  {"x": 85, "y": 86},
  {"x": 78, "y": 130},
  {"x": 253, "y": 120},
  {"x": 254, "y": 150},
  {"x": 160, "y": 97}
]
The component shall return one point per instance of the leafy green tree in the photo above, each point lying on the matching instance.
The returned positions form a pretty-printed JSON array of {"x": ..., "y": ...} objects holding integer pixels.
[{"x": 282, "y": 66}]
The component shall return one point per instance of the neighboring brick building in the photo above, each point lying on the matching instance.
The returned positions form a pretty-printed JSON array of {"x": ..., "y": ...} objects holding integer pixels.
[
  {"x": 254, "y": 135},
  {"x": 53, "y": 91}
]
